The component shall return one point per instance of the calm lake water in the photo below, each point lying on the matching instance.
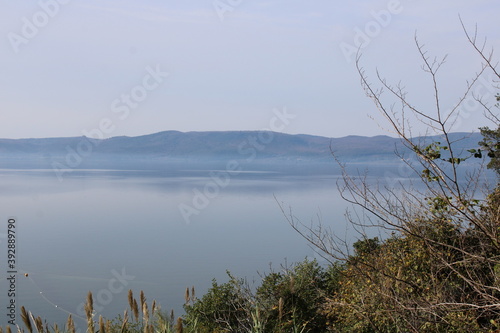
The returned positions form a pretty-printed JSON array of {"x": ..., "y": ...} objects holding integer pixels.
[{"x": 110, "y": 231}]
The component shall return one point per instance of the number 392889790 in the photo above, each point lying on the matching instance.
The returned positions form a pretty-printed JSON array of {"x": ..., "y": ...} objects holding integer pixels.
[{"x": 11, "y": 239}]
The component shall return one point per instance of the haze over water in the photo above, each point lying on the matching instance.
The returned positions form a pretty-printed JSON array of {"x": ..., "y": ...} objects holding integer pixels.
[{"x": 111, "y": 231}]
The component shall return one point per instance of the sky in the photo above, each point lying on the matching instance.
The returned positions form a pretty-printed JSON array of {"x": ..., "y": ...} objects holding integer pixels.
[{"x": 119, "y": 67}]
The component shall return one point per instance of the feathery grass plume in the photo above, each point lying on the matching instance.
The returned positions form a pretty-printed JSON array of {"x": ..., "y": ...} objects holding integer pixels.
[
  {"x": 172, "y": 317},
  {"x": 186, "y": 295},
  {"x": 145, "y": 316},
  {"x": 101, "y": 325},
  {"x": 131, "y": 299},
  {"x": 192, "y": 294},
  {"x": 26, "y": 319},
  {"x": 1, "y": 329},
  {"x": 56, "y": 328},
  {"x": 280, "y": 308},
  {"x": 34, "y": 321},
  {"x": 145, "y": 312},
  {"x": 70, "y": 325},
  {"x": 143, "y": 299},
  {"x": 292, "y": 284},
  {"x": 39, "y": 324},
  {"x": 153, "y": 308},
  {"x": 124, "y": 322},
  {"x": 178, "y": 326},
  {"x": 89, "y": 311},
  {"x": 136, "y": 310},
  {"x": 90, "y": 302},
  {"x": 8, "y": 329},
  {"x": 108, "y": 325}
]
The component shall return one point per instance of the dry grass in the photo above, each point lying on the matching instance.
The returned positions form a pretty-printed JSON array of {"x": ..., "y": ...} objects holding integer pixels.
[{"x": 150, "y": 322}]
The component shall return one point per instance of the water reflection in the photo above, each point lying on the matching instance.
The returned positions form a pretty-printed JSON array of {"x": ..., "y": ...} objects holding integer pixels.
[{"x": 76, "y": 234}]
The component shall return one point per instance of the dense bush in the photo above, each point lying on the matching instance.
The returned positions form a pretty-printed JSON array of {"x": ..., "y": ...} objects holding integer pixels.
[{"x": 285, "y": 301}]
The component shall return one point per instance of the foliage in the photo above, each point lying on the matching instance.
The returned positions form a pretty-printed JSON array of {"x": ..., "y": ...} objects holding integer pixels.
[
  {"x": 408, "y": 284},
  {"x": 224, "y": 308},
  {"x": 491, "y": 145},
  {"x": 292, "y": 298},
  {"x": 287, "y": 301},
  {"x": 439, "y": 270}
]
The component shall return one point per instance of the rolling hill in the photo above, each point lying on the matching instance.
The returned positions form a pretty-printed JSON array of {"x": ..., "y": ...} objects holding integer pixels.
[{"x": 199, "y": 148}]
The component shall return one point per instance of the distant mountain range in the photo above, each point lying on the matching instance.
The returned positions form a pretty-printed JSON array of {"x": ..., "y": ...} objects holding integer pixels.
[{"x": 203, "y": 147}]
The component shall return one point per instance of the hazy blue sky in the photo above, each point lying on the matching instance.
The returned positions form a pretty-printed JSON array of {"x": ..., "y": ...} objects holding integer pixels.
[{"x": 67, "y": 67}]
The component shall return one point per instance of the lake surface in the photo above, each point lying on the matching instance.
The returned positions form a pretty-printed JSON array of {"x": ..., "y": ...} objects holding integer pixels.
[{"x": 108, "y": 231}]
